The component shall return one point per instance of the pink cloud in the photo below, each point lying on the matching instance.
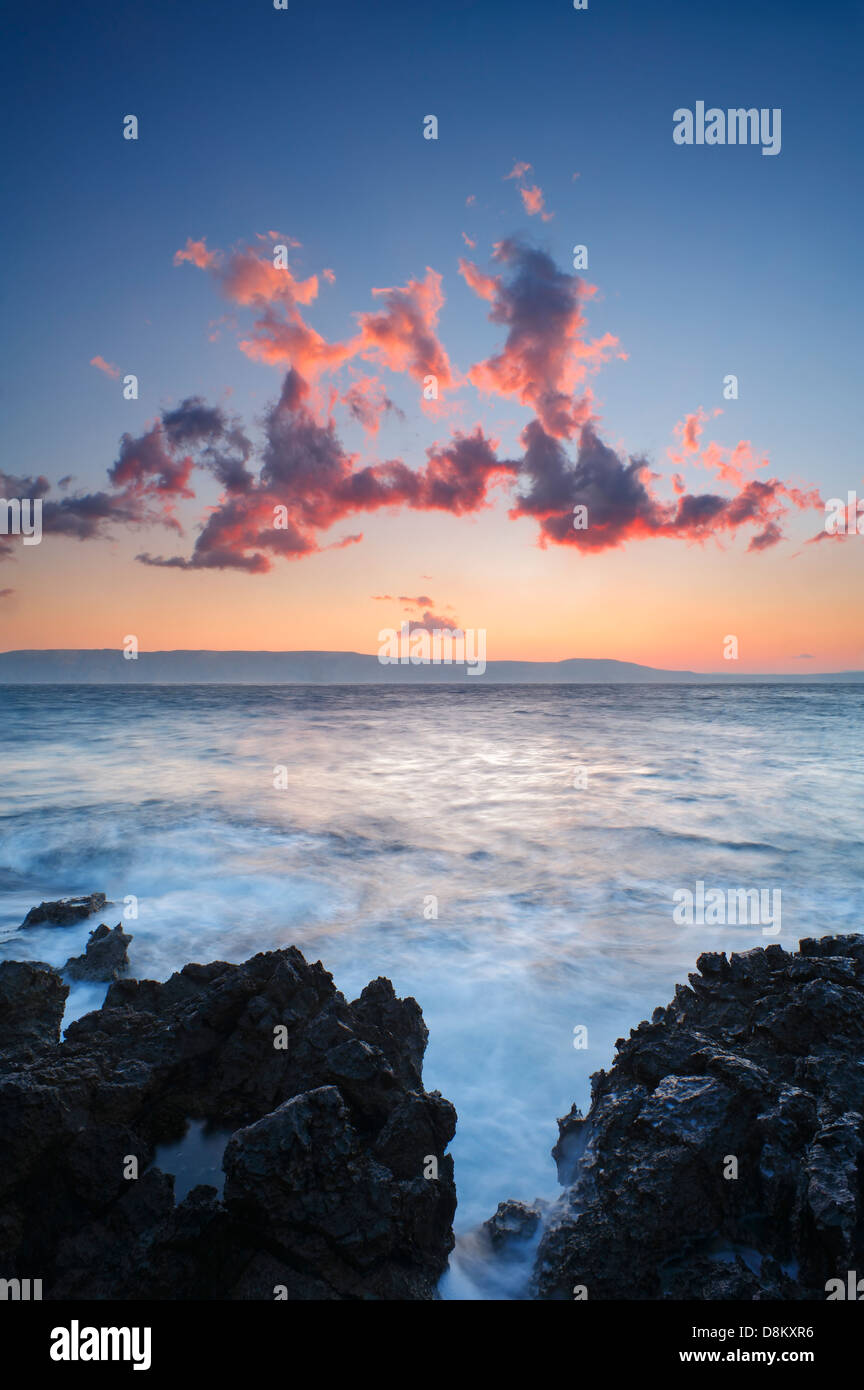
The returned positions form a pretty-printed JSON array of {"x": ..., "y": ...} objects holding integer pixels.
[
  {"x": 622, "y": 505},
  {"x": 547, "y": 355},
  {"x": 107, "y": 367},
  {"x": 402, "y": 336},
  {"x": 197, "y": 254},
  {"x": 367, "y": 402},
  {"x": 534, "y": 203},
  {"x": 486, "y": 286},
  {"x": 305, "y": 481}
]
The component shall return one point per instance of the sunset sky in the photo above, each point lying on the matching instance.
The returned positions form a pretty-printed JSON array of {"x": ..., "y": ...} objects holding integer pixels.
[{"x": 303, "y": 387}]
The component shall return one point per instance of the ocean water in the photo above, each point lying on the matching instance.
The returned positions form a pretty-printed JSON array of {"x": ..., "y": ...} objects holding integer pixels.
[{"x": 507, "y": 855}]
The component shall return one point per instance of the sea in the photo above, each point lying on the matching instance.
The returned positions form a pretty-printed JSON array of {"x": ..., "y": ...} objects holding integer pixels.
[{"x": 510, "y": 856}]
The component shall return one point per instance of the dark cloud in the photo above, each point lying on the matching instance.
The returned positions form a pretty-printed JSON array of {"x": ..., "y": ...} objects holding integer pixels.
[
  {"x": 621, "y": 505},
  {"x": 83, "y": 516},
  {"x": 546, "y": 356},
  {"x": 307, "y": 483}
]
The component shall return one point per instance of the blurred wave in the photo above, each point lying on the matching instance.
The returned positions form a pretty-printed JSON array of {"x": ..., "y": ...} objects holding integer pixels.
[{"x": 550, "y": 824}]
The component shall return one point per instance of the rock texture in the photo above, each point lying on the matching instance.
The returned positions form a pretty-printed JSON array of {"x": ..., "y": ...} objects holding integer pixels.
[
  {"x": 514, "y": 1221},
  {"x": 757, "y": 1067},
  {"x": 65, "y": 912},
  {"x": 32, "y": 1000},
  {"x": 324, "y": 1196},
  {"x": 105, "y": 957}
]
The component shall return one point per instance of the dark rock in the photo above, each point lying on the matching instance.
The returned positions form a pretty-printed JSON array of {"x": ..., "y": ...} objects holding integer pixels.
[
  {"x": 304, "y": 1175},
  {"x": 514, "y": 1221},
  {"x": 325, "y": 1195},
  {"x": 760, "y": 1061},
  {"x": 105, "y": 958},
  {"x": 65, "y": 912},
  {"x": 32, "y": 1000}
]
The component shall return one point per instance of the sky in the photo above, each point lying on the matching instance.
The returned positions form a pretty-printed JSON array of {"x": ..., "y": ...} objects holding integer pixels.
[{"x": 284, "y": 262}]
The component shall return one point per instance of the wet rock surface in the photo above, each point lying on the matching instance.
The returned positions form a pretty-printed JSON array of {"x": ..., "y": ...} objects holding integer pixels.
[
  {"x": 65, "y": 912},
  {"x": 105, "y": 958},
  {"x": 324, "y": 1196},
  {"x": 755, "y": 1069}
]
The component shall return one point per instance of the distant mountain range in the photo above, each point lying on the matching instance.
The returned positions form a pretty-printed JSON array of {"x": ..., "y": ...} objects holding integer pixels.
[{"x": 109, "y": 667}]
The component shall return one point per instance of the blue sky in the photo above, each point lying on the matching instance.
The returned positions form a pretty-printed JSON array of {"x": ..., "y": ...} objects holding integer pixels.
[{"x": 707, "y": 260}]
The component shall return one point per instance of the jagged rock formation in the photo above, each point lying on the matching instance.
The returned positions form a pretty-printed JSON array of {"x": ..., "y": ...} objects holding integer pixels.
[
  {"x": 105, "y": 957},
  {"x": 756, "y": 1068},
  {"x": 65, "y": 912},
  {"x": 325, "y": 1194},
  {"x": 514, "y": 1221},
  {"x": 32, "y": 1000}
]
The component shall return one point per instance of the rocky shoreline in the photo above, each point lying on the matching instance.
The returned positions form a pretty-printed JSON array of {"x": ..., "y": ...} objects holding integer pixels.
[
  {"x": 337, "y": 1181},
  {"x": 722, "y": 1156}
]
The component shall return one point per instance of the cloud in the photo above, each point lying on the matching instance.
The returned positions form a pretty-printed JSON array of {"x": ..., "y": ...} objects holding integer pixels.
[
  {"x": 107, "y": 367},
  {"x": 546, "y": 356},
  {"x": 307, "y": 483},
  {"x": 249, "y": 275},
  {"x": 533, "y": 200},
  {"x": 81, "y": 516},
  {"x": 770, "y": 536},
  {"x": 690, "y": 429},
  {"x": 428, "y": 621},
  {"x": 151, "y": 473},
  {"x": 249, "y": 278},
  {"x": 367, "y": 402},
  {"x": 433, "y": 622},
  {"x": 281, "y": 497},
  {"x": 621, "y": 504},
  {"x": 485, "y": 286},
  {"x": 288, "y": 341},
  {"x": 146, "y": 466},
  {"x": 730, "y": 465},
  {"x": 402, "y": 336},
  {"x": 279, "y": 336},
  {"x": 159, "y": 462},
  {"x": 197, "y": 254}
]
